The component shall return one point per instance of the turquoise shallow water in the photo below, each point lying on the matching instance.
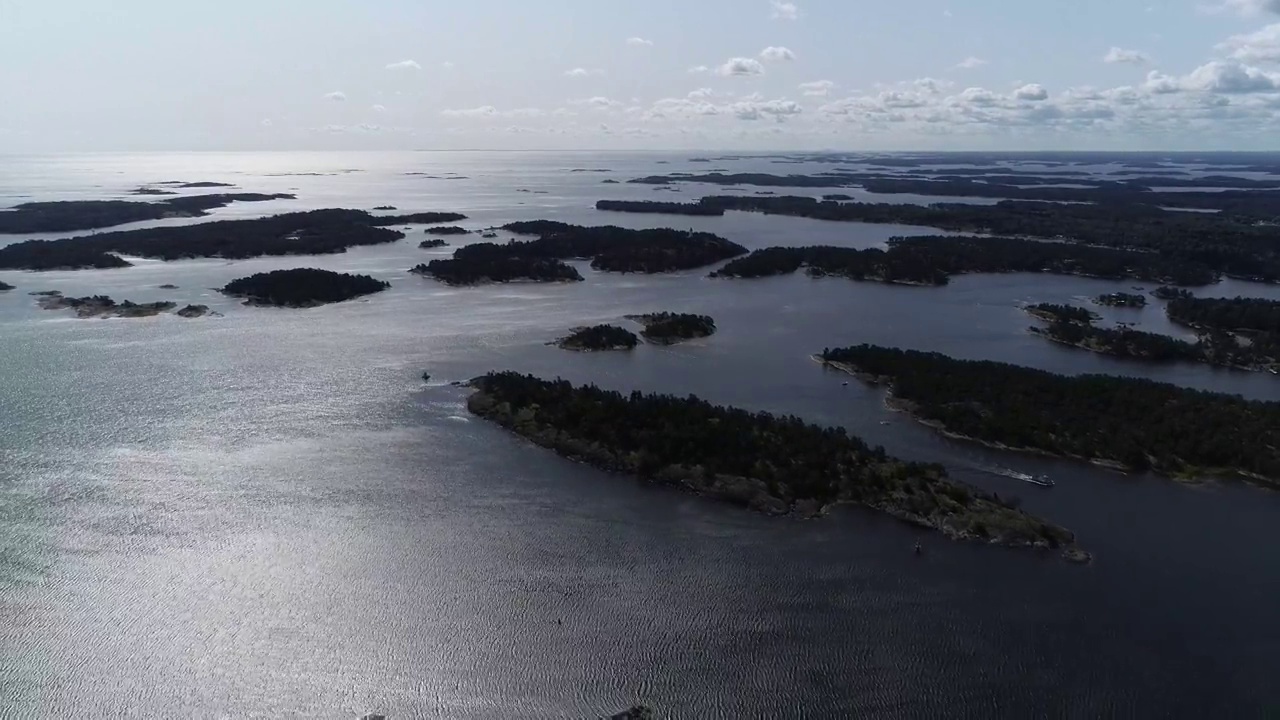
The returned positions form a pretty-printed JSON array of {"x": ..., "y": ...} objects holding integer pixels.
[{"x": 268, "y": 513}]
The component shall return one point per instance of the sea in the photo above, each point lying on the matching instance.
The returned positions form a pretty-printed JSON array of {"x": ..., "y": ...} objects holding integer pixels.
[{"x": 269, "y": 513}]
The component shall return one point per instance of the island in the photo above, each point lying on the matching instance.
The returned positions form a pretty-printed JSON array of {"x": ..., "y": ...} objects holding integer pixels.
[
  {"x": 102, "y": 306},
  {"x": 5, "y": 287},
  {"x": 1165, "y": 292},
  {"x": 932, "y": 260},
  {"x": 432, "y": 243},
  {"x": 1125, "y": 423},
  {"x": 659, "y": 208},
  {"x": 616, "y": 249},
  {"x": 73, "y": 215},
  {"x": 446, "y": 230},
  {"x": 305, "y": 233},
  {"x": 193, "y": 311},
  {"x": 599, "y": 337},
  {"x": 667, "y": 328},
  {"x": 385, "y": 207},
  {"x": 151, "y": 191},
  {"x": 481, "y": 269},
  {"x": 168, "y": 286},
  {"x": 773, "y": 464},
  {"x": 1069, "y": 327},
  {"x": 1200, "y": 247},
  {"x": 302, "y": 287},
  {"x": 1121, "y": 299}
]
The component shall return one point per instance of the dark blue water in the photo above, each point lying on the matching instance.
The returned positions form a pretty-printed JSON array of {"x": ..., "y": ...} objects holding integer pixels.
[{"x": 269, "y": 514}]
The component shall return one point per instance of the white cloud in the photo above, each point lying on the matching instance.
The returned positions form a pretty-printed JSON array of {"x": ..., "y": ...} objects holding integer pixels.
[
  {"x": 740, "y": 66},
  {"x": 1118, "y": 55},
  {"x": 582, "y": 72},
  {"x": 483, "y": 111},
  {"x": 1160, "y": 84},
  {"x": 336, "y": 96},
  {"x": 970, "y": 63},
  {"x": 266, "y": 122},
  {"x": 379, "y": 108},
  {"x": 700, "y": 93},
  {"x": 776, "y": 54},
  {"x": 817, "y": 88},
  {"x": 598, "y": 102},
  {"x": 784, "y": 10},
  {"x": 698, "y": 70},
  {"x": 447, "y": 65},
  {"x": 1260, "y": 46},
  {"x": 404, "y": 65},
  {"x": 1033, "y": 92},
  {"x": 1230, "y": 78},
  {"x": 639, "y": 42}
]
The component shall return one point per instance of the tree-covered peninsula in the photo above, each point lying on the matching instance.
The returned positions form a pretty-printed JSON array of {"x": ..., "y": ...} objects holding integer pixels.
[
  {"x": 302, "y": 287},
  {"x": 599, "y": 337},
  {"x": 774, "y": 464},
  {"x": 933, "y": 260},
  {"x": 73, "y": 215},
  {"x": 1200, "y": 247},
  {"x": 306, "y": 233},
  {"x": 668, "y": 328},
  {"x": 616, "y": 249},
  {"x": 1128, "y": 423},
  {"x": 1067, "y": 325},
  {"x": 1250, "y": 316}
]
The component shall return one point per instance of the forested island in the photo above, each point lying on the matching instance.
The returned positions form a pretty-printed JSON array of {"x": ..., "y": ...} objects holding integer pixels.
[
  {"x": 1068, "y": 327},
  {"x": 432, "y": 243},
  {"x": 616, "y": 249},
  {"x": 1126, "y": 423},
  {"x": 306, "y": 233},
  {"x": 1121, "y": 299},
  {"x": 1199, "y": 247},
  {"x": 667, "y": 328},
  {"x": 773, "y": 464},
  {"x": 599, "y": 337},
  {"x": 102, "y": 306},
  {"x": 933, "y": 260},
  {"x": 476, "y": 269},
  {"x": 193, "y": 311},
  {"x": 1251, "y": 316},
  {"x": 1169, "y": 293},
  {"x": 658, "y": 208},
  {"x": 302, "y": 287},
  {"x": 4, "y": 286},
  {"x": 446, "y": 230},
  {"x": 73, "y": 215}
]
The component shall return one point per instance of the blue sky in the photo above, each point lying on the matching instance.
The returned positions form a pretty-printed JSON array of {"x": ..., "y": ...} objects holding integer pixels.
[{"x": 711, "y": 74}]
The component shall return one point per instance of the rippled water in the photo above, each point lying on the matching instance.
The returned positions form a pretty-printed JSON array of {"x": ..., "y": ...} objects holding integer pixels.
[{"x": 269, "y": 514}]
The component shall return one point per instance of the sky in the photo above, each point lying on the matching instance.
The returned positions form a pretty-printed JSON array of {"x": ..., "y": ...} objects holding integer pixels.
[{"x": 147, "y": 75}]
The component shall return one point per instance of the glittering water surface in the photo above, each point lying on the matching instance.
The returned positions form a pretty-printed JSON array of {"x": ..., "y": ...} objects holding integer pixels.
[{"x": 269, "y": 514}]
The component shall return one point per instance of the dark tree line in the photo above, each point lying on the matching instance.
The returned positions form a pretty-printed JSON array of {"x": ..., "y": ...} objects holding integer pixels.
[
  {"x": 1122, "y": 299},
  {"x": 446, "y": 230},
  {"x": 432, "y": 243},
  {"x": 932, "y": 260},
  {"x": 599, "y": 337},
  {"x": 758, "y": 459},
  {"x": 1138, "y": 423},
  {"x": 307, "y": 233},
  {"x": 616, "y": 249},
  {"x": 302, "y": 287},
  {"x": 474, "y": 270},
  {"x": 668, "y": 327},
  {"x": 73, "y": 215},
  {"x": 1070, "y": 313},
  {"x": 1239, "y": 314}
]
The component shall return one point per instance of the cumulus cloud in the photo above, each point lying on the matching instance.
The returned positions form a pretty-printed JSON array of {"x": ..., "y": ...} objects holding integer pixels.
[
  {"x": 1033, "y": 92},
  {"x": 784, "y": 10},
  {"x": 698, "y": 70},
  {"x": 336, "y": 96},
  {"x": 582, "y": 72},
  {"x": 779, "y": 110},
  {"x": 639, "y": 42},
  {"x": 483, "y": 111},
  {"x": 700, "y": 93},
  {"x": 776, "y": 54},
  {"x": 1261, "y": 46},
  {"x": 404, "y": 65},
  {"x": 1117, "y": 55},
  {"x": 1231, "y": 78},
  {"x": 970, "y": 63},
  {"x": 740, "y": 66},
  {"x": 598, "y": 102},
  {"x": 379, "y": 108},
  {"x": 1160, "y": 84},
  {"x": 817, "y": 88}
]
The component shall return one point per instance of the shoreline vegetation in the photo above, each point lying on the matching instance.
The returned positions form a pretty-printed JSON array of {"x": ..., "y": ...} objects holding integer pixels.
[
  {"x": 777, "y": 465},
  {"x": 1196, "y": 248},
  {"x": 1128, "y": 424},
  {"x": 598, "y": 338},
  {"x": 74, "y": 215},
  {"x": 1073, "y": 327},
  {"x": 102, "y": 306},
  {"x": 667, "y": 328},
  {"x": 609, "y": 248},
  {"x": 317, "y": 232},
  {"x": 302, "y": 287},
  {"x": 932, "y": 260}
]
